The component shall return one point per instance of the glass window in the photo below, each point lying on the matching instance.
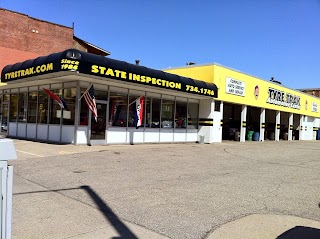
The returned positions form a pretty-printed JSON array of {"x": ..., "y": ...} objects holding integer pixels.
[
  {"x": 69, "y": 97},
  {"x": 55, "y": 109},
  {"x": 181, "y": 114},
  {"x": 84, "y": 110},
  {"x": 148, "y": 113},
  {"x": 13, "y": 112},
  {"x": 167, "y": 113},
  {"x": 100, "y": 95},
  {"x": 193, "y": 115},
  {"x": 22, "y": 110},
  {"x": 118, "y": 109},
  {"x": 153, "y": 105},
  {"x": 43, "y": 108},
  {"x": 32, "y": 107},
  {"x": 6, "y": 97}
]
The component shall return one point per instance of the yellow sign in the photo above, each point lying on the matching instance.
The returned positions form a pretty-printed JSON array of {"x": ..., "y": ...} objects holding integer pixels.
[
  {"x": 29, "y": 71},
  {"x": 129, "y": 76},
  {"x": 258, "y": 93},
  {"x": 67, "y": 64}
]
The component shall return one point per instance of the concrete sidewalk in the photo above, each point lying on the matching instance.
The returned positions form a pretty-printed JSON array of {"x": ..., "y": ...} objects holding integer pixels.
[{"x": 229, "y": 190}]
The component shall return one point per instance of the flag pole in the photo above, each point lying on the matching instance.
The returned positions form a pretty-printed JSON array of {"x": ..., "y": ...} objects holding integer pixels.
[
  {"x": 135, "y": 100},
  {"x": 86, "y": 91}
]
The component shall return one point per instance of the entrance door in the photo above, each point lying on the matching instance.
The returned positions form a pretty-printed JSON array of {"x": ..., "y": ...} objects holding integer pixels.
[
  {"x": 98, "y": 128},
  {"x": 4, "y": 118}
]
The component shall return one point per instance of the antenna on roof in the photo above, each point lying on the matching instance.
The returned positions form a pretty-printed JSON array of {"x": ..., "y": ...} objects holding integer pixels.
[
  {"x": 190, "y": 63},
  {"x": 275, "y": 81}
]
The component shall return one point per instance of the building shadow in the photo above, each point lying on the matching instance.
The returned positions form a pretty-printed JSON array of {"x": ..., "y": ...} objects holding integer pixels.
[
  {"x": 123, "y": 231},
  {"x": 300, "y": 232}
]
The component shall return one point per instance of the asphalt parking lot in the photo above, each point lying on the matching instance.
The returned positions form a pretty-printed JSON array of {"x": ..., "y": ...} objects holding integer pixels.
[{"x": 228, "y": 190}]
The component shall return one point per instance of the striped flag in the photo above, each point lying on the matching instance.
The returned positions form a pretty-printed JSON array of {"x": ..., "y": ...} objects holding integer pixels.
[
  {"x": 139, "y": 110},
  {"x": 91, "y": 100},
  {"x": 60, "y": 102}
]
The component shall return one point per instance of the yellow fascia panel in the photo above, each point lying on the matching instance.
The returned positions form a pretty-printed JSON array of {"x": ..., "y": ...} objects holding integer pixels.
[
  {"x": 221, "y": 73},
  {"x": 203, "y": 73}
]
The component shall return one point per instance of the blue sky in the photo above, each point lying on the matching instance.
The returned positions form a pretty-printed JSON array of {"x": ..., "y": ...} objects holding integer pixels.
[{"x": 264, "y": 38}]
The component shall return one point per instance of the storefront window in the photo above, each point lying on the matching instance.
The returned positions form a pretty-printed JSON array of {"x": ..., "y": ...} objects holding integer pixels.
[
  {"x": 118, "y": 109},
  {"x": 181, "y": 115},
  {"x": 167, "y": 113},
  {"x": 32, "y": 107},
  {"x": 55, "y": 109},
  {"x": 43, "y": 108},
  {"x": 22, "y": 107},
  {"x": 84, "y": 110},
  {"x": 100, "y": 94},
  {"x": 153, "y": 105},
  {"x": 6, "y": 97},
  {"x": 69, "y": 96},
  {"x": 13, "y": 107},
  {"x": 193, "y": 115}
]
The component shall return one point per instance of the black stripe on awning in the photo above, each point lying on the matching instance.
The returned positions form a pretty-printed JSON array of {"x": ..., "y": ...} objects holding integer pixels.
[{"x": 87, "y": 63}]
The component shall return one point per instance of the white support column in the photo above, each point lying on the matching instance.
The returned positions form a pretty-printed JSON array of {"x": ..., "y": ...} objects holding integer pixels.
[
  {"x": 217, "y": 116},
  {"x": 301, "y": 129},
  {"x": 290, "y": 128},
  {"x": 243, "y": 123},
  {"x": 262, "y": 124},
  {"x": 277, "y": 129},
  {"x": 206, "y": 112}
]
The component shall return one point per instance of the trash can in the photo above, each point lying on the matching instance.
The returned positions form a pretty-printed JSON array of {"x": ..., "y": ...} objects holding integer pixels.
[
  {"x": 272, "y": 135},
  {"x": 237, "y": 136},
  {"x": 256, "y": 136},
  {"x": 201, "y": 139},
  {"x": 249, "y": 135}
]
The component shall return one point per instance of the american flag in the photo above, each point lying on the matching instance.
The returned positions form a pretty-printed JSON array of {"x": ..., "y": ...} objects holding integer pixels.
[{"x": 91, "y": 100}]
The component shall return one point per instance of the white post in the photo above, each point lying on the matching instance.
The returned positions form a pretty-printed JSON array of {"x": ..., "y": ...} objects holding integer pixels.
[
  {"x": 206, "y": 111},
  {"x": 7, "y": 152},
  {"x": 290, "y": 129},
  {"x": 243, "y": 123},
  {"x": 301, "y": 129},
  {"x": 262, "y": 124},
  {"x": 277, "y": 129},
  {"x": 9, "y": 202}
]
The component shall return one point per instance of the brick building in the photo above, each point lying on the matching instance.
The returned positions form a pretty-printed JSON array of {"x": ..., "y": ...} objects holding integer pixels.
[{"x": 24, "y": 37}]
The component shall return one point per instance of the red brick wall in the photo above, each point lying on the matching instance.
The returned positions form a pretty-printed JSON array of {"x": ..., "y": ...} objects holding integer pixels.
[
  {"x": 30, "y": 37},
  {"x": 10, "y": 56}
]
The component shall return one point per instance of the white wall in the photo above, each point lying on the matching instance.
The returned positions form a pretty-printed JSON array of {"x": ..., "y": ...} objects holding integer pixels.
[
  {"x": 42, "y": 131},
  {"x": 31, "y": 131},
  {"x": 116, "y": 135},
  {"x": 81, "y": 135},
  {"x": 152, "y": 135},
  {"x": 54, "y": 133},
  {"x": 22, "y": 130},
  {"x": 67, "y": 134},
  {"x": 12, "y": 129}
]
